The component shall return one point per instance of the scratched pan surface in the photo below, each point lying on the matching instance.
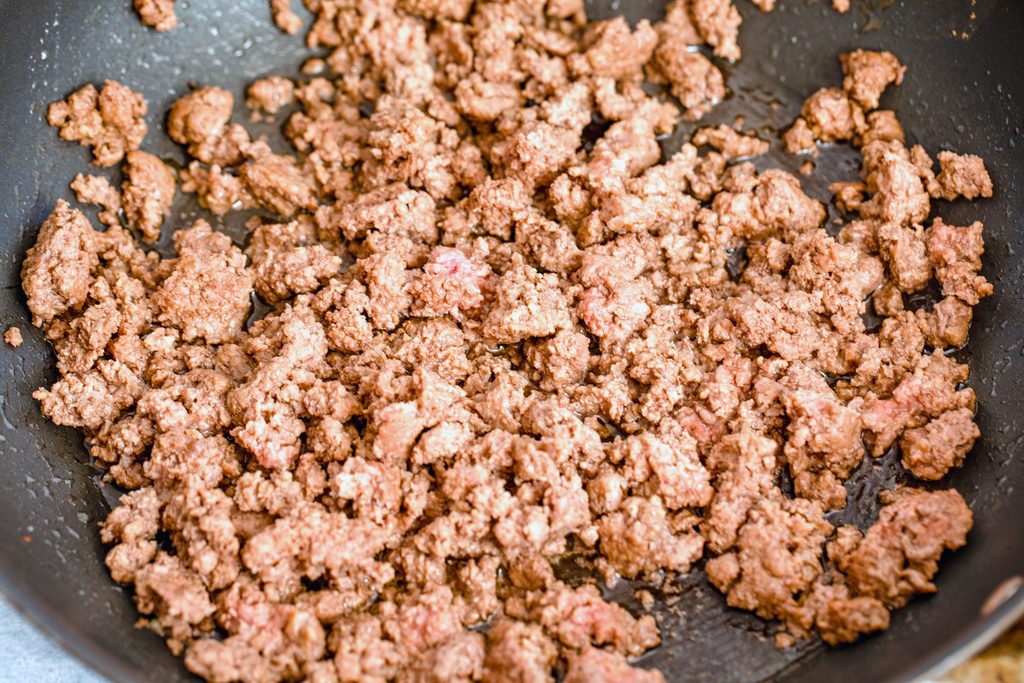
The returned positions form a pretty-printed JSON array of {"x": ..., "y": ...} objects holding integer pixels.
[{"x": 964, "y": 91}]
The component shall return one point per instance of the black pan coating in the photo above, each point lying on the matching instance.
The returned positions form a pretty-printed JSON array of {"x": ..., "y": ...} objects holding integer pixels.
[{"x": 964, "y": 91}]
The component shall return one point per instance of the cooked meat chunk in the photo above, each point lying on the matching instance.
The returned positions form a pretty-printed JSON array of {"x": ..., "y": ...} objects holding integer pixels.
[
  {"x": 599, "y": 666},
  {"x": 694, "y": 80},
  {"x": 899, "y": 554},
  {"x": 157, "y": 14},
  {"x": 955, "y": 254},
  {"x": 110, "y": 120},
  {"x": 147, "y": 193},
  {"x": 270, "y": 94},
  {"x": 200, "y": 120},
  {"x": 868, "y": 73},
  {"x": 775, "y": 562},
  {"x": 12, "y": 337},
  {"x": 58, "y": 269},
  {"x": 98, "y": 191},
  {"x": 931, "y": 451},
  {"x": 718, "y": 23},
  {"x": 731, "y": 143},
  {"x": 963, "y": 176},
  {"x": 284, "y": 17},
  {"x": 832, "y": 116},
  {"x": 206, "y": 295}
]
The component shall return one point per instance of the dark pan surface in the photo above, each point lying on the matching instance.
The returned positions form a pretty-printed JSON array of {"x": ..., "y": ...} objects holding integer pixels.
[{"x": 964, "y": 91}]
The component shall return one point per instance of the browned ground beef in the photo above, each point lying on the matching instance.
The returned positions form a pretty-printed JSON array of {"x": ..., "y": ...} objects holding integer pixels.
[{"x": 489, "y": 343}]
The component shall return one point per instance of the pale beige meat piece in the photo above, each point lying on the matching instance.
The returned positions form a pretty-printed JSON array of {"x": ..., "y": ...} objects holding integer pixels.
[
  {"x": 931, "y": 451},
  {"x": 718, "y": 23},
  {"x": 97, "y": 190},
  {"x": 832, "y": 116},
  {"x": 277, "y": 183},
  {"x": 156, "y": 14},
  {"x": 270, "y": 94},
  {"x": 640, "y": 537},
  {"x": 284, "y": 17},
  {"x": 612, "y": 49},
  {"x": 147, "y": 193},
  {"x": 58, "y": 269},
  {"x": 730, "y": 142},
  {"x": 12, "y": 337},
  {"x": 868, "y": 73},
  {"x": 599, "y": 666},
  {"x": 200, "y": 120},
  {"x": 527, "y": 304},
  {"x": 955, "y": 254},
  {"x": 206, "y": 295},
  {"x": 963, "y": 176},
  {"x": 111, "y": 121},
  {"x": 693, "y": 79}
]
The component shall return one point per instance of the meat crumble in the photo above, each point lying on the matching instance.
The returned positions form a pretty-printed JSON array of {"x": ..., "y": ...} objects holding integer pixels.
[{"x": 489, "y": 337}]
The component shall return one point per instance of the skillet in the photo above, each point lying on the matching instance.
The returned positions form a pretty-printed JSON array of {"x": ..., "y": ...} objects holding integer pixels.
[{"x": 964, "y": 91}]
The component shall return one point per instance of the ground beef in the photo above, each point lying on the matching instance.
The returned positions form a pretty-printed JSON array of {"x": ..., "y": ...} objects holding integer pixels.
[
  {"x": 110, "y": 121},
  {"x": 12, "y": 337},
  {"x": 483, "y": 318},
  {"x": 832, "y": 116},
  {"x": 97, "y": 190},
  {"x": 867, "y": 74},
  {"x": 730, "y": 142},
  {"x": 156, "y": 14},
  {"x": 206, "y": 294},
  {"x": 955, "y": 254},
  {"x": 200, "y": 120},
  {"x": 147, "y": 193},
  {"x": 600, "y": 666},
  {"x": 58, "y": 269},
  {"x": 270, "y": 94},
  {"x": 277, "y": 183},
  {"x": 898, "y": 556},
  {"x": 718, "y": 23},
  {"x": 285, "y": 19},
  {"x": 962, "y": 176},
  {"x": 693, "y": 79},
  {"x": 931, "y": 451},
  {"x": 775, "y": 561}
]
